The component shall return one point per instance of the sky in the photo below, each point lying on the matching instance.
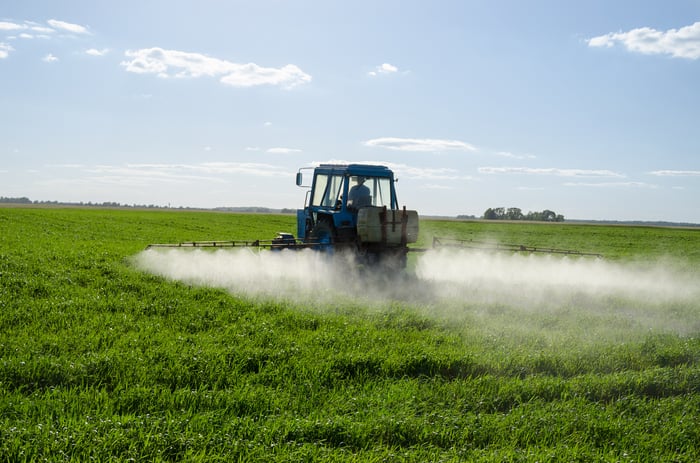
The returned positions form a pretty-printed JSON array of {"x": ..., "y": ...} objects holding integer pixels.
[{"x": 590, "y": 109}]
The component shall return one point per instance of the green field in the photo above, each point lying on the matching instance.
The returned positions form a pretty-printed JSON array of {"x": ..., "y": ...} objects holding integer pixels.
[{"x": 528, "y": 358}]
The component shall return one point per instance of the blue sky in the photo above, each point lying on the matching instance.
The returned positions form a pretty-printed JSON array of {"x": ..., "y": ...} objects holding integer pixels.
[{"x": 590, "y": 109}]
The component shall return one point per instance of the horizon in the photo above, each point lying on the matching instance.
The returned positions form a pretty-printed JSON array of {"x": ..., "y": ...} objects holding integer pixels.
[
  {"x": 11, "y": 202},
  {"x": 590, "y": 110}
]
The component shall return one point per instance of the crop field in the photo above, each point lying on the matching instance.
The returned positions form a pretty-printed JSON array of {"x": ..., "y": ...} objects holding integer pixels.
[{"x": 109, "y": 352}]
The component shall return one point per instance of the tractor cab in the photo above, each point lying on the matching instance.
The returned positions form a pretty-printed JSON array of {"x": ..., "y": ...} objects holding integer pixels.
[{"x": 337, "y": 193}]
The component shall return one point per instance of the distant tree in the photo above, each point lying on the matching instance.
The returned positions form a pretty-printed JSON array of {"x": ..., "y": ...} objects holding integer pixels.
[
  {"x": 533, "y": 216},
  {"x": 514, "y": 213},
  {"x": 496, "y": 213},
  {"x": 548, "y": 216}
]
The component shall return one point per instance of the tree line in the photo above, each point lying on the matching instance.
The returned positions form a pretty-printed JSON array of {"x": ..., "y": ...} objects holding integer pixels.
[
  {"x": 112, "y": 204},
  {"x": 21, "y": 200},
  {"x": 514, "y": 213},
  {"x": 25, "y": 200}
]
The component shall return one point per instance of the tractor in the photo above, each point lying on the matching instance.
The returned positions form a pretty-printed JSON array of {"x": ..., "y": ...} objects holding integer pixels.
[
  {"x": 353, "y": 207},
  {"x": 349, "y": 208}
]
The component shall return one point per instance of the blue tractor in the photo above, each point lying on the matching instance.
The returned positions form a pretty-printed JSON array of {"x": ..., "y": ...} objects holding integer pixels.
[{"x": 353, "y": 207}]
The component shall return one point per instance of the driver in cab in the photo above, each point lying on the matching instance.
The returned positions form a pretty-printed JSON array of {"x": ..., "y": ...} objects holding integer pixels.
[{"x": 359, "y": 195}]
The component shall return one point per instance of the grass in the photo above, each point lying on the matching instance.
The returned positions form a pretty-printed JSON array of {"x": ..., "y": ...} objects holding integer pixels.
[{"x": 101, "y": 361}]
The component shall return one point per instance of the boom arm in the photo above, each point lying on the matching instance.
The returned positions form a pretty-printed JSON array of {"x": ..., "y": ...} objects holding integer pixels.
[{"x": 486, "y": 246}]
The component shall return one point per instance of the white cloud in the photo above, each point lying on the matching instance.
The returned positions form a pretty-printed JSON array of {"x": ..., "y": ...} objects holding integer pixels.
[
  {"x": 406, "y": 171},
  {"x": 283, "y": 150},
  {"x": 8, "y": 26},
  {"x": 5, "y": 50},
  {"x": 41, "y": 29},
  {"x": 419, "y": 144},
  {"x": 676, "y": 173},
  {"x": 384, "y": 68},
  {"x": 68, "y": 27},
  {"x": 245, "y": 168},
  {"x": 32, "y": 30},
  {"x": 50, "y": 58},
  {"x": 179, "y": 64},
  {"x": 249, "y": 75},
  {"x": 96, "y": 52},
  {"x": 66, "y": 166},
  {"x": 26, "y": 26},
  {"x": 507, "y": 154},
  {"x": 549, "y": 171},
  {"x": 426, "y": 173},
  {"x": 150, "y": 174},
  {"x": 134, "y": 174},
  {"x": 611, "y": 185},
  {"x": 211, "y": 168},
  {"x": 437, "y": 186},
  {"x": 679, "y": 43}
]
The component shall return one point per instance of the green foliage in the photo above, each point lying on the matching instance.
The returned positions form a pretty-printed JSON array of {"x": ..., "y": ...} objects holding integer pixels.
[
  {"x": 515, "y": 213},
  {"x": 99, "y": 361}
]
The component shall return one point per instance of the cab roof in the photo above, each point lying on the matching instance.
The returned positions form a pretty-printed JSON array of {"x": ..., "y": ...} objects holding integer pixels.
[{"x": 368, "y": 170}]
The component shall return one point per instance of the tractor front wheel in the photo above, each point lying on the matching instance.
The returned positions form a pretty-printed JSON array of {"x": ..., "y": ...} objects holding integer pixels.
[{"x": 322, "y": 234}]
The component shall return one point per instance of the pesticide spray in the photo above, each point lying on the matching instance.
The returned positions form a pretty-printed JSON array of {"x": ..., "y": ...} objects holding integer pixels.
[
  {"x": 661, "y": 296},
  {"x": 529, "y": 279}
]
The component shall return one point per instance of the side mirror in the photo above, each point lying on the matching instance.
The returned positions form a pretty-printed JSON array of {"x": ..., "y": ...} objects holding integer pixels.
[{"x": 299, "y": 178}]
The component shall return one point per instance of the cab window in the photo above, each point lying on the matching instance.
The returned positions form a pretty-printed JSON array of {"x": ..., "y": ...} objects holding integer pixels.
[
  {"x": 379, "y": 190},
  {"x": 327, "y": 190}
]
